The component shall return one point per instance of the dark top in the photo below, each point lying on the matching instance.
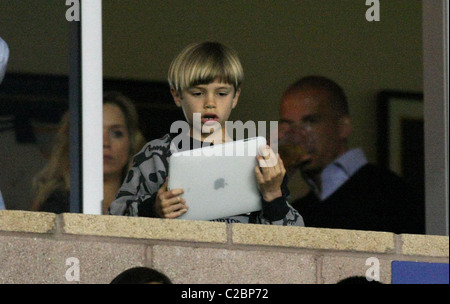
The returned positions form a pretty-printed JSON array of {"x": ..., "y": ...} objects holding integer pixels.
[
  {"x": 372, "y": 199},
  {"x": 57, "y": 202}
]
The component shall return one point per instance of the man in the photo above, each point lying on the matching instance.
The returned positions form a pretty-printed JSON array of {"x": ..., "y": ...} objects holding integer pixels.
[
  {"x": 4, "y": 55},
  {"x": 346, "y": 191}
]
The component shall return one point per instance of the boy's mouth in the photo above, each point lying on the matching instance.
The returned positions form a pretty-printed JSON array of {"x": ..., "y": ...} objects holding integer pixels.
[{"x": 209, "y": 118}]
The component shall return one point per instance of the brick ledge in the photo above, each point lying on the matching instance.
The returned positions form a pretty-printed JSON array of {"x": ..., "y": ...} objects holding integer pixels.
[{"x": 221, "y": 233}]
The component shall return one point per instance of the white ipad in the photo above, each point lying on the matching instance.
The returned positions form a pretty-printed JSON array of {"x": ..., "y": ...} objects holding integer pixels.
[{"x": 218, "y": 181}]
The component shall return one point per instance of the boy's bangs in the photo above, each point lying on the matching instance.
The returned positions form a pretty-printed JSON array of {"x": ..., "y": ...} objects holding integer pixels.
[
  {"x": 208, "y": 71},
  {"x": 209, "y": 77}
]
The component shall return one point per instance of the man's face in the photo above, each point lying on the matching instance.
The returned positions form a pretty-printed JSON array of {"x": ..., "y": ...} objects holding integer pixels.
[{"x": 309, "y": 122}]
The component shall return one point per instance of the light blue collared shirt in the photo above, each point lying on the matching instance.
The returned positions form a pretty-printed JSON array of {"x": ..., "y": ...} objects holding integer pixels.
[
  {"x": 4, "y": 55},
  {"x": 338, "y": 172},
  {"x": 2, "y": 203}
]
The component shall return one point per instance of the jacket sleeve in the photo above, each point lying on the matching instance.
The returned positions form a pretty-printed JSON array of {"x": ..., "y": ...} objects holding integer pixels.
[
  {"x": 136, "y": 196},
  {"x": 279, "y": 211},
  {"x": 132, "y": 200}
]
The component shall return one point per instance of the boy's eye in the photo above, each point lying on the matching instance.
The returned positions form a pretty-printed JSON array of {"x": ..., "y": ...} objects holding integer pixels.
[
  {"x": 223, "y": 93},
  {"x": 196, "y": 93}
]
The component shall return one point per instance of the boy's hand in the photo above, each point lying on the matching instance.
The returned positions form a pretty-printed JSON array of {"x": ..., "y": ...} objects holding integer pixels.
[
  {"x": 269, "y": 174},
  {"x": 169, "y": 204}
]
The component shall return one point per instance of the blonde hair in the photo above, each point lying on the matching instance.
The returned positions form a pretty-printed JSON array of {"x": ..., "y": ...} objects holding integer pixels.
[
  {"x": 56, "y": 173},
  {"x": 202, "y": 63}
]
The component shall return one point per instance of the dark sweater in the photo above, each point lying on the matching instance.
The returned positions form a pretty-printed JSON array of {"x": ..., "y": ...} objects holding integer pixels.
[
  {"x": 57, "y": 202},
  {"x": 372, "y": 199}
]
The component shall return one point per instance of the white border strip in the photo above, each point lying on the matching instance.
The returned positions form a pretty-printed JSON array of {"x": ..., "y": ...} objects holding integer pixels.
[{"x": 92, "y": 105}]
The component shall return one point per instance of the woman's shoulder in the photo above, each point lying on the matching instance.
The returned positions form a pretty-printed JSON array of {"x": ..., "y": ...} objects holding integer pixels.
[
  {"x": 158, "y": 143},
  {"x": 160, "y": 147}
]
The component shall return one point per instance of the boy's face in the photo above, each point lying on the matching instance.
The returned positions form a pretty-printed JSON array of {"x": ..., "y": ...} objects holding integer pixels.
[{"x": 214, "y": 102}]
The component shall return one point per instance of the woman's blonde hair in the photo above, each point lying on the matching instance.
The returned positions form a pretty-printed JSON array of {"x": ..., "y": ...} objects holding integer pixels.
[
  {"x": 202, "y": 63},
  {"x": 56, "y": 173}
]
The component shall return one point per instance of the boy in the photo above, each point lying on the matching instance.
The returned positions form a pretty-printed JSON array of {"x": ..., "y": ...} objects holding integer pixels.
[{"x": 205, "y": 80}]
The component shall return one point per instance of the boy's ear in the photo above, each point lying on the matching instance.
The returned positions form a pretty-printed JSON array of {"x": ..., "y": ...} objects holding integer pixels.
[
  {"x": 236, "y": 98},
  {"x": 176, "y": 97}
]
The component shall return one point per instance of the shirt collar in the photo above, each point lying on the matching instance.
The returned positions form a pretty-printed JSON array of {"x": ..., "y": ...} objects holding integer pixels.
[
  {"x": 352, "y": 161},
  {"x": 338, "y": 172}
]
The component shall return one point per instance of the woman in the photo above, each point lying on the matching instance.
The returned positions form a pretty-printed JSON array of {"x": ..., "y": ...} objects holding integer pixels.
[{"x": 121, "y": 140}]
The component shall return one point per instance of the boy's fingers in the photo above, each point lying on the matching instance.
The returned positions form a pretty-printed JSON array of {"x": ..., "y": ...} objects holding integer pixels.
[
  {"x": 267, "y": 169},
  {"x": 163, "y": 188},
  {"x": 264, "y": 151},
  {"x": 281, "y": 164},
  {"x": 176, "y": 213},
  {"x": 175, "y": 192},
  {"x": 167, "y": 202},
  {"x": 269, "y": 174},
  {"x": 259, "y": 175},
  {"x": 175, "y": 207},
  {"x": 264, "y": 169},
  {"x": 175, "y": 210},
  {"x": 269, "y": 156},
  {"x": 164, "y": 195},
  {"x": 261, "y": 162}
]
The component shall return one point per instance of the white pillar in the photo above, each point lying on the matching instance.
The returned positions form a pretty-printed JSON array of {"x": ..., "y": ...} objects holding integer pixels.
[
  {"x": 92, "y": 105},
  {"x": 435, "y": 58}
]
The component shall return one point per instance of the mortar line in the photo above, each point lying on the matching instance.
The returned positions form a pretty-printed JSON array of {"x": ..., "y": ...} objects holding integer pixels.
[
  {"x": 319, "y": 265},
  {"x": 229, "y": 234}
]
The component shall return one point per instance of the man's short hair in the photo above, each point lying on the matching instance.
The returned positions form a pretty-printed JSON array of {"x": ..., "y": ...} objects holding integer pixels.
[
  {"x": 337, "y": 96},
  {"x": 202, "y": 63}
]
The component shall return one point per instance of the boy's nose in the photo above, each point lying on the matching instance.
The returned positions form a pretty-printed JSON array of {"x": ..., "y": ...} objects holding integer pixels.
[{"x": 210, "y": 102}]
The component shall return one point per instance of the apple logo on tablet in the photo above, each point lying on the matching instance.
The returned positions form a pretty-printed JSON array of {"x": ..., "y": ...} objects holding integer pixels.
[{"x": 219, "y": 183}]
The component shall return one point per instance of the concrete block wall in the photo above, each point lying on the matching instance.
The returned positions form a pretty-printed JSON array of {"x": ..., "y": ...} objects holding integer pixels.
[{"x": 40, "y": 247}]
